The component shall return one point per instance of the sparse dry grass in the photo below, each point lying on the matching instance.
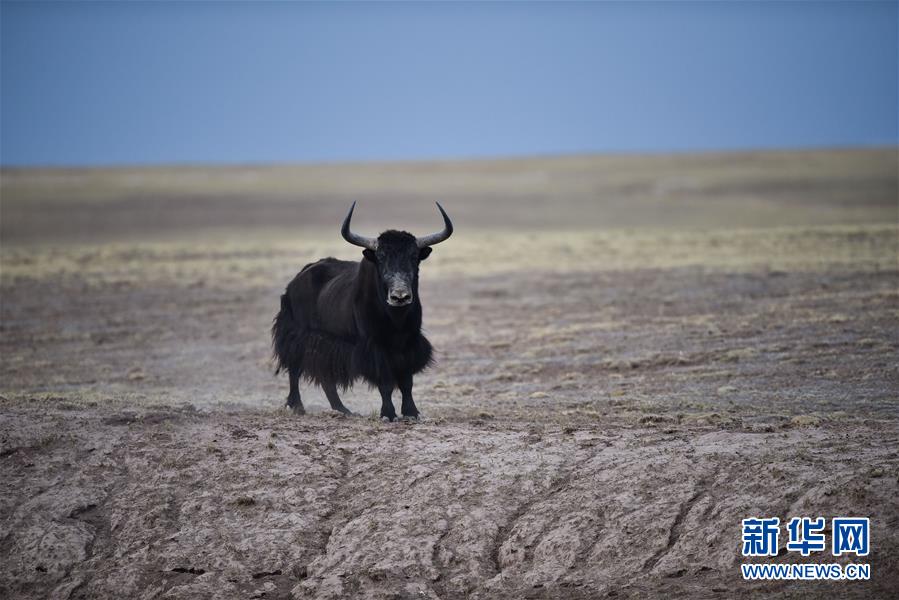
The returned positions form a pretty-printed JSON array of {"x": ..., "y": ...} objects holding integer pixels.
[{"x": 258, "y": 261}]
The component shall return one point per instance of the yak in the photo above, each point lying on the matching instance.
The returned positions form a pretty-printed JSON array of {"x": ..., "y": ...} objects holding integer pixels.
[{"x": 344, "y": 320}]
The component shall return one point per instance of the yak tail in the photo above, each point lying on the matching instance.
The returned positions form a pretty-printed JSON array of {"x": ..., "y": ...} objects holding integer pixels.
[{"x": 287, "y": 346}]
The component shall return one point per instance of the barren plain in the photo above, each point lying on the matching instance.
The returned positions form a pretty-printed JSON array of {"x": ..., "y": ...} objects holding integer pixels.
[{"x": 634, "y": 354}]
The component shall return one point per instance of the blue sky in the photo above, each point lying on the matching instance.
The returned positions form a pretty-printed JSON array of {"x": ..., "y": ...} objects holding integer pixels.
[{"x": 135, "y": 83}]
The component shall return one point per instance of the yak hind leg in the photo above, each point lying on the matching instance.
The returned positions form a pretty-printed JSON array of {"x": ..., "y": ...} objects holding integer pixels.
[
  {"x": 293, "y": 398},
  {"x": 330, "y": 390}
]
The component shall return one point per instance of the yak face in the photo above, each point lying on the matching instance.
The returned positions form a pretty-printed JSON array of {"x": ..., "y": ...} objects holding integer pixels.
[{"x": 397, "y": 257}]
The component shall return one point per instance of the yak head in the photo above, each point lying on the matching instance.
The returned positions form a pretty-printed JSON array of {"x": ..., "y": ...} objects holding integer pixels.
[{"x": 397, "y": 254}]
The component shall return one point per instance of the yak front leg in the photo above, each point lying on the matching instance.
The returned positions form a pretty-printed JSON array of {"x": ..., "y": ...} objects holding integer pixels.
[
  {"x": 387, "y": 410},
  {"x": 408, "y": 409}
]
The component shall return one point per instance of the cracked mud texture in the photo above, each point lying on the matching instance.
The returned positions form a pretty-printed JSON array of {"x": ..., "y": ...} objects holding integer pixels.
[{"x": 645, "y": 352}]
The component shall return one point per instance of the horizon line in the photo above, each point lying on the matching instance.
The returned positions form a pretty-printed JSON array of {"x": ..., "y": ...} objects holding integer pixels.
[{"x": 189, "y": 164}]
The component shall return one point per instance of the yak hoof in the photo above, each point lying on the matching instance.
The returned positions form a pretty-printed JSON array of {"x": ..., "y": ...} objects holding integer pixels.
[
  {"x": 411, "y": 418},
  {"x": 387, "y": 419},
  {"x": 297, "y": 410}
]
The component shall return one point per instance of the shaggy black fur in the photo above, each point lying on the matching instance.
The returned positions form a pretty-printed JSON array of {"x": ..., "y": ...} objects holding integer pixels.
[{"x": 336, "y": 326}]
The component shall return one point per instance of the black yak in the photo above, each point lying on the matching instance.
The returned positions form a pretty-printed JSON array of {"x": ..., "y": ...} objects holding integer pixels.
[{"x": 342, "y": 320}]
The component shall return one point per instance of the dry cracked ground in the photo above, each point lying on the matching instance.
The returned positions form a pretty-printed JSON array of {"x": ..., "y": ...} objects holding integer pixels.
[{"x": 635, "y": 354}]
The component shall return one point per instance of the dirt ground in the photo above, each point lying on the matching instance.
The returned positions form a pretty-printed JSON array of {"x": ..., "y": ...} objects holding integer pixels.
[{"x": 634, "y": 354}]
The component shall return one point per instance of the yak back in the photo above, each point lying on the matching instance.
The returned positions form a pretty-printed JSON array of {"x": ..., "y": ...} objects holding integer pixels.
[{"x": 321, "y": 297}]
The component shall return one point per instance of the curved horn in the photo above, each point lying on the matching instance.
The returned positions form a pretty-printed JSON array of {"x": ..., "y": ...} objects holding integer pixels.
[
  {"x": 436, "y": 238},
  {"x": 355, "y": 239}
]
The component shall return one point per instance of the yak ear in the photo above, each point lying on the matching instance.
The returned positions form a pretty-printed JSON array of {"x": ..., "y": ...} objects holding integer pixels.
[
  {"x": 370, "y": 255},
  {"x": 424, "y": 253}
]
